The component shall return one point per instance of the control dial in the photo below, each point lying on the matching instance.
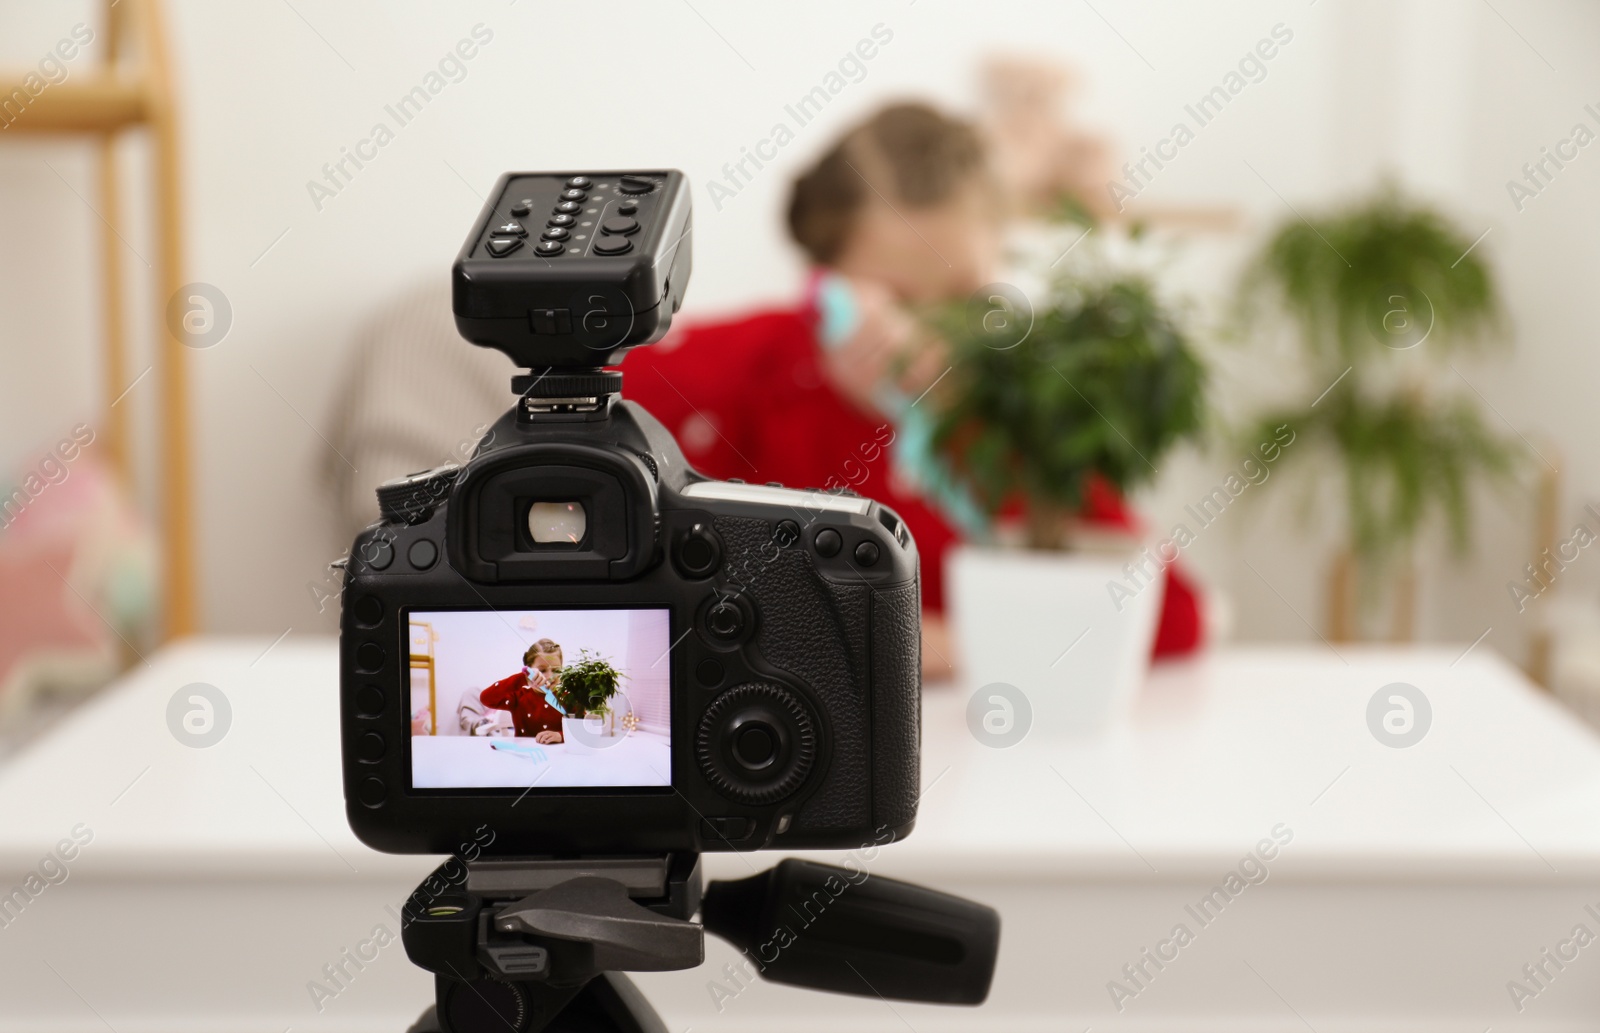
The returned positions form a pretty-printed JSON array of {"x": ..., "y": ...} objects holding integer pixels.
[{"x": 757, "y": 742}]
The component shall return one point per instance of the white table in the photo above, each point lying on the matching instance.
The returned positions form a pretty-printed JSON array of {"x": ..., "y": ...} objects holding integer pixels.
[
  {"x": 465, "y": 762},
  {"x": 1417, "y": 882}
]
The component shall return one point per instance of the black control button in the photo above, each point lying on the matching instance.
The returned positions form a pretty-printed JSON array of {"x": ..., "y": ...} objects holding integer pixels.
[
  {"x": 551, "y": 320},
  {"x": 500, "y": 247},
  {"x": 755, "y": 745},
  {"x": 369, "y": 657},
  {"x": 613, "y": 246},
  {"x": 550, "y": 247},
  {"x": 828, "y": 543},
  {"x": 369, "y": 701},
  {"x": 522, "y": 208},
  {"x": 627, "y": 208},
  {"x": 621, "y": 226},
  {"x": 372, "y": 791},
  {"x": 378, "y": 554},
  {"x": 699, "y": 552},
  {"x": 866, "y": 554},
  {"x": 730, "y": 829},
  {"x": 725, "y": 620},
  {"x": 637, "y": 185},
  {"x": 709, "y": 673},
  {"x": 368, "y": 611},
  {"x": 561, "y": 220},
  {"x": 369, "y": 748},
  {"x": 511, "y": 229},
  {"x": 573, "y": 194},
  {"x": 568, "y": 208},
  {"x": 422, "y": 554},
  {"x": 580, "y": 182},
  {"x": 556, "y": 233},
  {"x": 786, "y": 533}
]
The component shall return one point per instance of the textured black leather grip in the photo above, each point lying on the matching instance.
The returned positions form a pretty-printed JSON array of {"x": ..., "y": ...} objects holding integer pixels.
[
  {"x": 896, "y": 705},
  {"x": 859, "y": 650},
  {"x": 816, "y": 631}
]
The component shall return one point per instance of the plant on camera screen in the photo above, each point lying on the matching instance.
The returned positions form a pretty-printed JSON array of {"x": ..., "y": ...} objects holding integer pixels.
[
  {"x": 1380, "y": 296},
  {"x": 586, "y": 687},
  {"x": 1103, "y": 385}
]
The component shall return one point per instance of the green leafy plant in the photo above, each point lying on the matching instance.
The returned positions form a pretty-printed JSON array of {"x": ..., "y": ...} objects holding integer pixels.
[
  {"x": 1356, "y": 282},
  {"x": 587, "y": 686},
  {"x": 1380, "y": 296},
  {"x": 1102, "y": 385}
]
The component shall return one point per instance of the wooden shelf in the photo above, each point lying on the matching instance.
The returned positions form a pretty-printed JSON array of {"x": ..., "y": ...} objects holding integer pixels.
[
  {"x": 132, "y": 90},
  {"x": 93, "y": 103}
]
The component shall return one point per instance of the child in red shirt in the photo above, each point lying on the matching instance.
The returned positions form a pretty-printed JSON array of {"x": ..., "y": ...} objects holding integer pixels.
[
  {"x": 901, "y": 211},
  {"x": 529, "y": 694}
]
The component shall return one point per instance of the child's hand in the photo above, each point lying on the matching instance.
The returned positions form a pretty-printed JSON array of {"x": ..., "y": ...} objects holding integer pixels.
[
  {"x": 887, "y": 348},
  {"x": 548, "y": 737}
]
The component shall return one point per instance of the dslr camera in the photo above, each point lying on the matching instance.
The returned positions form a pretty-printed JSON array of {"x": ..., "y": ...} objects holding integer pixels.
[
  {"x": 662, "y": 661},
  {"x": 579, "y": 663}
]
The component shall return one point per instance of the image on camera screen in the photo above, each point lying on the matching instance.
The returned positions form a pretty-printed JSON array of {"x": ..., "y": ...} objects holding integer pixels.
[{"x": 542, "y": 699}]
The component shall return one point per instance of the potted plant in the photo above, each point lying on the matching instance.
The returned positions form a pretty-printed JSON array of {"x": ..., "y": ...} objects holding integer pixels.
[
  {"x": 585, "y": 690},
  {"x": 1087, "y": 391},
  {"x": 1381, "y": 296}
]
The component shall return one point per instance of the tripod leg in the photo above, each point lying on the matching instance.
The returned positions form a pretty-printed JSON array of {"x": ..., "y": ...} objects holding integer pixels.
[
  {"x": 609, "y": 1004},
  {"x": 495, "y": 1006}
]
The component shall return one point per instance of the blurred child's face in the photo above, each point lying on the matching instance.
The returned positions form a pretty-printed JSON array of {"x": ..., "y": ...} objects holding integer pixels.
[
  {"x": 544, "y": 663},
  {"x": 928, "y": 254}
]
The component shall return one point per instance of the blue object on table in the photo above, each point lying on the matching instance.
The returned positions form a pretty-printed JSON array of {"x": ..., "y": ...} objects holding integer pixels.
[{"x": 530, "y": 752}]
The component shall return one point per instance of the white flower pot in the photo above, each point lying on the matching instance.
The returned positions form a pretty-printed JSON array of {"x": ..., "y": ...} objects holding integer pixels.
[
  {"x": 580, "y": 733},
  {"x": 1048, "y": 624}
]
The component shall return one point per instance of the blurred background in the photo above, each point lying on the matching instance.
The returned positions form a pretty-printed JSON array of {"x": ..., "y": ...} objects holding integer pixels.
[
  {"x": 1369, "y": 221},
  {"x": 1449, "y": 102}
]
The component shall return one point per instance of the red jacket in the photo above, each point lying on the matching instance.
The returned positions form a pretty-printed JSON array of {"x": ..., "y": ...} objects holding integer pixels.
[
  {"x": 750, "y": 399},
  {"x": 531, "y": 713}
]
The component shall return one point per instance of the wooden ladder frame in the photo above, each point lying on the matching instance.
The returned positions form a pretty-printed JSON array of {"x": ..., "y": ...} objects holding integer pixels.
[{"x": 131, "y": 90}]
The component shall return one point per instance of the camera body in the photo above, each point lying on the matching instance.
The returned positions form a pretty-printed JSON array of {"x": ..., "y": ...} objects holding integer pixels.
[{"x": 688, "y": 664}]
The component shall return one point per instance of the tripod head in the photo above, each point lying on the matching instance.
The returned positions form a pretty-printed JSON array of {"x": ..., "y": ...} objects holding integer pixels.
[{"x": 515, "y": 943}]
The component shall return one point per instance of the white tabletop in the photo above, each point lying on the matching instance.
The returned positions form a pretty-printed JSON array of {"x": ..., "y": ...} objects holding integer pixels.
[
  {"x": 1505, "y": 785},
  {"x": 472, "y": 762}
]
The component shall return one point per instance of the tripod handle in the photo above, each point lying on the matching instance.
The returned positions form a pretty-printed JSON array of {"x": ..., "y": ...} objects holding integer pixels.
[
  {"x": 618, "y": 934},
  {"x": 843, "y": 930}
]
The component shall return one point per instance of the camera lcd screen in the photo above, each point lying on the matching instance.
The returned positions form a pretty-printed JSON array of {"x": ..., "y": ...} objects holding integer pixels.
[{"x": 540, "y": 699}]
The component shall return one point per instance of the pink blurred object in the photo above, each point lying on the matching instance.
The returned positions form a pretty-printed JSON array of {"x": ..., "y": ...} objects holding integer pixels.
[
  {"x": 1039, "y": 149},
  {"x": 76, "y": 582}
]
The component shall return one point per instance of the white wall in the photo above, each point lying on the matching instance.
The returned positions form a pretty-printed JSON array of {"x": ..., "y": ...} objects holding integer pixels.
[{"x": 1446, "y": 94}]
